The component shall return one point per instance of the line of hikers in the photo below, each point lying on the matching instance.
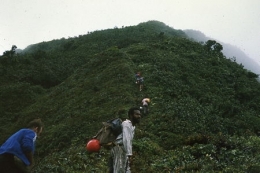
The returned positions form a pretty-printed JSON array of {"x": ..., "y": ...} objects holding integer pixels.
[
  {"x": 16, "y": 153},
  {"x": 139, "y": 80},
  {"x": 120, "y": 146}
]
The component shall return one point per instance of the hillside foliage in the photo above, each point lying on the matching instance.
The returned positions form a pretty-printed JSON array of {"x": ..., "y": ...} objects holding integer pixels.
[{"x": 204, "y": 110}]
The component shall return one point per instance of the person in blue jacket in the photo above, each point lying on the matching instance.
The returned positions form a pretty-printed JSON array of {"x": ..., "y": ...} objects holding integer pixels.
[
  {"x": 139, "y": 80},
  {"x": 16, "y": 154}
]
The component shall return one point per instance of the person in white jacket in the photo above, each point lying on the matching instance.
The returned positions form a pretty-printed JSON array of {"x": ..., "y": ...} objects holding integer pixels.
[
  {"x": 122, "y": 153},
  {"x": 145, "y": 102}
]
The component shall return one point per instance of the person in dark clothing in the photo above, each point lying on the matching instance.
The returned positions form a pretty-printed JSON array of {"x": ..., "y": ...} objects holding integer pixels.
[{"x": 139, "y": 80}]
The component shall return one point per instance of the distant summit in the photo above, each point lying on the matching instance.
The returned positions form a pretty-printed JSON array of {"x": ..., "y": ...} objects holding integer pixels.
[{"x": 229, "y": 51}]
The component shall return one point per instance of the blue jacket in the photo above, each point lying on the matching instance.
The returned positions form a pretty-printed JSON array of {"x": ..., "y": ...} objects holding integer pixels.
[{"x": 19, "y": 143}]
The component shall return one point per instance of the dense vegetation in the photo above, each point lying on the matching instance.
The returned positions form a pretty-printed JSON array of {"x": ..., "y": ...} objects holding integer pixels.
[{"x": 204, "y": 114}]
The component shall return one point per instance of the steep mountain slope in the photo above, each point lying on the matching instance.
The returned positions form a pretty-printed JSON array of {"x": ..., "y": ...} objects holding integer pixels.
[{"x": 204, "y": 114}]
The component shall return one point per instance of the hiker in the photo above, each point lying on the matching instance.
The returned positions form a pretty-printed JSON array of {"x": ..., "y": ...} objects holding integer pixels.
[
  {"x": 139, "y": 80},
  {"x": 16, "y": 154},
  {"x": 145, "y": 102},
  {"x": 121, "y": 153}
]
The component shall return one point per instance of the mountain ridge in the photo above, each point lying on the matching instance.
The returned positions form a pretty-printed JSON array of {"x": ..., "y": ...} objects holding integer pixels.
[{"x": 203, "y": 112}]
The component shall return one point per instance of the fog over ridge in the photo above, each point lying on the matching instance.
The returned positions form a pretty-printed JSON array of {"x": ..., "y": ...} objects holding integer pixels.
[{"x": 229, "y": 51}]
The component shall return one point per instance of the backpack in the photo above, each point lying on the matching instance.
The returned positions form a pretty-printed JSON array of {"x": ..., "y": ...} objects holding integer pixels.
[{"x": 109, "y": 132}]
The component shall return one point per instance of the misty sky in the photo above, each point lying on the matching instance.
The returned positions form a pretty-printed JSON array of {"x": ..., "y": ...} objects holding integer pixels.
[{"x": 25, "y": 22}]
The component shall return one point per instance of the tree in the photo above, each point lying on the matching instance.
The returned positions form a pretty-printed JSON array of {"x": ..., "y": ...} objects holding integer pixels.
[
  {"x": 217, "y": 47},
  {"x": 212, "y": 45},
  {"x": 10, "y": 53}
]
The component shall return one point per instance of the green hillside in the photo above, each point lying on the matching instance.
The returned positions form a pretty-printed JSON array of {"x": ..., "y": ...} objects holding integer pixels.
[{"x": 204, "y": 111}]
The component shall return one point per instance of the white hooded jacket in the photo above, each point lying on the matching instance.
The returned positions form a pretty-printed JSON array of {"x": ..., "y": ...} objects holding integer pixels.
[{"x": 126, "y": 137}]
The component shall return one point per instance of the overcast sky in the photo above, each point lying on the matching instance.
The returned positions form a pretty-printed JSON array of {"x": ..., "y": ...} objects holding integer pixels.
[{"x": 25, "y": 22}]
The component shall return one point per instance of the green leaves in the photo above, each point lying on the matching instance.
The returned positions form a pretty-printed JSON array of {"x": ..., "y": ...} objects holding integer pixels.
[{"x": 203, "y": 111}]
